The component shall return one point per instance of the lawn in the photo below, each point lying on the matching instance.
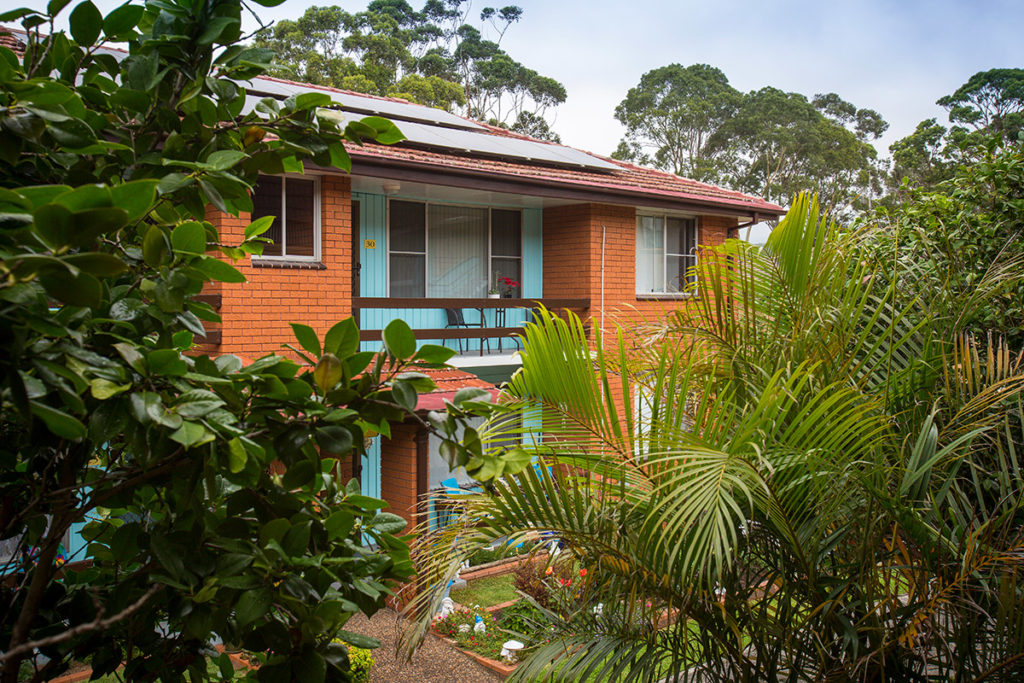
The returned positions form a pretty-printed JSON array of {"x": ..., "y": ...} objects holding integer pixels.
[{"x": 487, "y": 591}]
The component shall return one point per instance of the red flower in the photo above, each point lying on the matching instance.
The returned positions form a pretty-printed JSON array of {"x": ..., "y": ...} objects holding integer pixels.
[
  {"x": 565, "y": 582},
  {"x": 583, "y": 572},
  {"x": 547, "y": 572}
]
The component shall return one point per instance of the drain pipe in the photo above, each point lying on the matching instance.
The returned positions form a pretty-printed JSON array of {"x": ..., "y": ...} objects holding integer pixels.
[{"x": 603, "y": 231}]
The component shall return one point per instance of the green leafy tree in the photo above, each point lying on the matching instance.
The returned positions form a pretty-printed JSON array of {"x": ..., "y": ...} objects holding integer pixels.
[
  {"x": 672, "y": 118},
  {"x": 822, "y": 481},
  {"x": 208, "y": 489},
  {"x": 784, "y": 143},
  {"x": 535, "y": 126},
  {"x": 920, "y": 157},
  {"x": 692, "y": 122},
  {"x": 947, "y": 235},
  {"x": 432, "y": 56},
  {"x": 991, "y": 101},
  {"x": 989, "y": 106}
]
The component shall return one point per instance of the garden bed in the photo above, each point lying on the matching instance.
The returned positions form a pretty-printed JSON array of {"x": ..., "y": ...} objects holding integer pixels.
[{"x": 484, "y": 648}]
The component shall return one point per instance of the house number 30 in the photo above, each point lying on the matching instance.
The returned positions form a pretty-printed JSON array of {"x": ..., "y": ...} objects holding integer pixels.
[{"x": 370, "y": 244}]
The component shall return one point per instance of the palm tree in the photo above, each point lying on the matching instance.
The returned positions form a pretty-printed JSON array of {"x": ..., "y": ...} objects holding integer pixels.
[{"x": 796, "y": 478}]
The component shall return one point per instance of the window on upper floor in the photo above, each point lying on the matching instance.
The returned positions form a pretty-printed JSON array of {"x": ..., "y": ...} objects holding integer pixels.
[
  {"x": 451, "y": 251},
  {"x": 295, "y": 202},
  {"x": 666, "y": 248}
]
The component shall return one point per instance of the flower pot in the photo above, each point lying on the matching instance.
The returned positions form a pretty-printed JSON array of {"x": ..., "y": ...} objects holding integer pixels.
[
  {"x": 494, "y": 296},
  {"x": 508, "y": 295}
]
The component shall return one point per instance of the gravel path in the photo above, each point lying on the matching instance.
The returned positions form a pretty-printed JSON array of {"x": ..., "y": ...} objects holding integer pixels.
[{"x": 435, "y": 662}]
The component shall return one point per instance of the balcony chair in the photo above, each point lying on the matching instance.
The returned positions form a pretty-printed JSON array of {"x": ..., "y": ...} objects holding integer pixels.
[
  {"x": 532, "y": 316},
  {"x": 457, "y": 319}
]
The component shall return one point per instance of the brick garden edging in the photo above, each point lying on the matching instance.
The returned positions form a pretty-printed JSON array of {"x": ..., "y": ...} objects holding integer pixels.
[
  {"x": 76, "y": 677},
  {"x": 499, "y": 566},
  {"x": 492, "y": 664}
]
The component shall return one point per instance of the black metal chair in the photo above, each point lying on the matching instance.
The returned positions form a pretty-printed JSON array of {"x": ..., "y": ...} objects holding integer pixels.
[
  {"x": 532, "y": 316},
  {"x": 456, "y": 319}
]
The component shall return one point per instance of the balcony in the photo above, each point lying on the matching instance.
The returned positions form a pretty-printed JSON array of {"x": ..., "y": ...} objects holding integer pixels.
[{"x": 502, "y": 319}]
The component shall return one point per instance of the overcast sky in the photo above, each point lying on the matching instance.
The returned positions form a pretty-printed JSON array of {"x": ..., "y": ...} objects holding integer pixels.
[{"x": 894, "y": 56}]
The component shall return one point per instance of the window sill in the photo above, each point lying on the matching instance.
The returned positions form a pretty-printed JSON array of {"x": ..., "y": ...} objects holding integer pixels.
[
  {"x": 665, "y": 297},
  {"x": 287, "y": 263}
]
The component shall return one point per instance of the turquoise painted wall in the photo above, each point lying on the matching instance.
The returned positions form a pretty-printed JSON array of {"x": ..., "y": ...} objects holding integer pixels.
[
  {"x": 533, "y": 253},
  {"x": 373, "y": 279},
  {"x": 370, "y": 479}
]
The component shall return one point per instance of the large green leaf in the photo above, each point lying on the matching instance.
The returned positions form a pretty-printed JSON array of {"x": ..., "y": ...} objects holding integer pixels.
[
  {"x": 59, "y": 422},
  {"x": 399, "y": 340},
  {"x": 86, "y": 23},
  {"x": 307, "y": 338},
  {"x": 189, "y": 238}
]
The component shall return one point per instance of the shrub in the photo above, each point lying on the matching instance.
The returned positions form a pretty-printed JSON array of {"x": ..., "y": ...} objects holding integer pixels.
[
  {"x": 538, "y": 581},
  {"x": 360, "y": 661},
  {"x": 485, "y": 555},
  {"x": 523, "y": 619}
]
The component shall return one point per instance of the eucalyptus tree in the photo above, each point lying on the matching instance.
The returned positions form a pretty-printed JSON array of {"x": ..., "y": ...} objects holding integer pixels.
[
  {"x": 783, "y": 143},
  {"x": 818, "y": 480},
  {"x": 434, "y": 56},
  {"x": 987, "y": 109},
  {"x": 690, "y": 121},
  {"x": 672, "y": 117}
]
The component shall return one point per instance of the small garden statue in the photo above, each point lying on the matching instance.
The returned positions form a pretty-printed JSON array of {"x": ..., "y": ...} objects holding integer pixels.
[
  {"x": 510, "y": 651},
  {"x": 479, "y": 626}
]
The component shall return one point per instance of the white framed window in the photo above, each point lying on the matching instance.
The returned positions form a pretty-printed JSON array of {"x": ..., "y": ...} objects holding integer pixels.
[
  {"x": 452, "y": 250},
  {"x": 294, "y": 200},
  {"x": 666, "y": 249}
]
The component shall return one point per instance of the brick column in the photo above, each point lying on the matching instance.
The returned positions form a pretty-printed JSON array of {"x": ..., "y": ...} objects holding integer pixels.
[{"x": 403, "y": 469}]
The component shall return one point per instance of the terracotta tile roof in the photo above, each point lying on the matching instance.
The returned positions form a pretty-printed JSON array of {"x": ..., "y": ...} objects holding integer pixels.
[
  {"x": 628, "y": 177},
  {"x": 453, "y": 379},
  {"x": 10, "y": 41},
  {"x": 449, "y": 381}
]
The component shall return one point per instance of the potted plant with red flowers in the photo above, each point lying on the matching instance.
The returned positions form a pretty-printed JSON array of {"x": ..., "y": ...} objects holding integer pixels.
[{"x": 508, "y": 285}]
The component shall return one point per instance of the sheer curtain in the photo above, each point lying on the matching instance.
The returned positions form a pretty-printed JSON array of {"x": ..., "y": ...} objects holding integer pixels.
[
  {"x": 457, "y": 255},
  {"x": 650, "y": 255}
]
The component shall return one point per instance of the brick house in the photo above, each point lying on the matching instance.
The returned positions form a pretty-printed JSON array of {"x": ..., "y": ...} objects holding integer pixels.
[{"x": 429, "y": 225}]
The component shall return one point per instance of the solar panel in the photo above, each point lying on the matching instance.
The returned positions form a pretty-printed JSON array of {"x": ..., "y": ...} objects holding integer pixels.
[
  {"x": 497, "y": 145},
  {"x": 431, "y": 128},
  {"x": 369, "y": 105}
]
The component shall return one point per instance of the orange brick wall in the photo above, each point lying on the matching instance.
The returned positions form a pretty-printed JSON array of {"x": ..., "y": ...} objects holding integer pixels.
[
  {"x": 403, "y": 469},
  {"x": 257, "y": 314},
  {"x": 573, "y": 259}
]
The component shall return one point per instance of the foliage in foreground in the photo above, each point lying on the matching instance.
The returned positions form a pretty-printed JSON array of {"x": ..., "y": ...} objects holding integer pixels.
[
  {"x": 947, "y": 239},
  {"x": 207, "y": 488},
  {"x": 823, "y": 481}
]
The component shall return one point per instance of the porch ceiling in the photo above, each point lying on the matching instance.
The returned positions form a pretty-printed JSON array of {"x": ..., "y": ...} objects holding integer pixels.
[{"x": 405, "y": 189}]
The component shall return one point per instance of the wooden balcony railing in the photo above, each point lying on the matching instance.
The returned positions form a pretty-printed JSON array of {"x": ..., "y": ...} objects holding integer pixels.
[{"x": 553, "y": 304}]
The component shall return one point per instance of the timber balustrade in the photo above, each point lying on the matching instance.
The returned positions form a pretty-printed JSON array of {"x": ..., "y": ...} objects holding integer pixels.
[{"x": 551, "y": 304}]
